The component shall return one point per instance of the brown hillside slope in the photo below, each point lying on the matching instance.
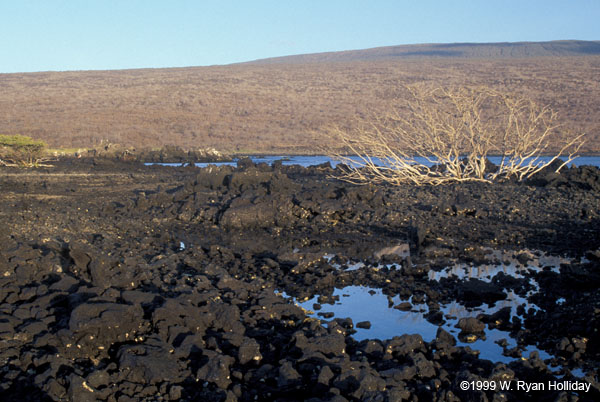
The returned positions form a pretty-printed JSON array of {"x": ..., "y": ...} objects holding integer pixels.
[
  {"x": 270, "y": 107},
  {"x": 502, "y": 50}
]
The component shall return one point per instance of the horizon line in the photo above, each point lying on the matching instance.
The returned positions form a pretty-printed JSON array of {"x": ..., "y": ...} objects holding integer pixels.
[{"x": 296, "y": 54}]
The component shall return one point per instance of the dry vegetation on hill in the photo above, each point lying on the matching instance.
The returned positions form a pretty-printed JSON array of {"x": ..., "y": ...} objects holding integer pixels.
[{"x": 271, "y": 108}]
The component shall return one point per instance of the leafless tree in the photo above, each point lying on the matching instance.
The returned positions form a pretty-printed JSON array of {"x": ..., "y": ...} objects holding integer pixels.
[{"x": 455, "y": 130}]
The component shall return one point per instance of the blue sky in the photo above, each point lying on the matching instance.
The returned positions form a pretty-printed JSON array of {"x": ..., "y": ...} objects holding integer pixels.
[{"x": 41, "y": 35}]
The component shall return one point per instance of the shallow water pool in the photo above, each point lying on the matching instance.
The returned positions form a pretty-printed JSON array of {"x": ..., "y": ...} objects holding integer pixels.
[
  {"x": 361, "y": 303},
  {"x": 368, "y": 304}
]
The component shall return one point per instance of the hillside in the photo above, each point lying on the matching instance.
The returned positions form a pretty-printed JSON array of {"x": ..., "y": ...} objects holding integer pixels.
[
  {"x": 502, "y": 50},
  {"x": 280, "y": 105}
]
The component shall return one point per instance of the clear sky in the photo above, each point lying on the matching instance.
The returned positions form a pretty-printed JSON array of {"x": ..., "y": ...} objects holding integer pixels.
[{"x": 40, "y": 35}]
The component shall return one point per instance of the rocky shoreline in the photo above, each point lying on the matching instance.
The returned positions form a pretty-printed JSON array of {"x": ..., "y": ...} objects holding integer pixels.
[{"x": 129, "y": 282}]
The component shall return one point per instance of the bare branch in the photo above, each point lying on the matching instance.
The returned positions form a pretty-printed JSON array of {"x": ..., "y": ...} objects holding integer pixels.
[{"x": 455, "y": 129}]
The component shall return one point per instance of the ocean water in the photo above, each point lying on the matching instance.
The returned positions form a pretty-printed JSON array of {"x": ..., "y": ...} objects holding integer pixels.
[{"x": 313, "y": 160}]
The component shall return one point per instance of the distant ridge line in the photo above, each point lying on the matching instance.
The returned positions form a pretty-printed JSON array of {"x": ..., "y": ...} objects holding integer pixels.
[{"x": 497, "y": 50}]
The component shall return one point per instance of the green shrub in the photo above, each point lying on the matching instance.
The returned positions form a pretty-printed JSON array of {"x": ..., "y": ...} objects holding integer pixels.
[{"x": 20, "y": 150}]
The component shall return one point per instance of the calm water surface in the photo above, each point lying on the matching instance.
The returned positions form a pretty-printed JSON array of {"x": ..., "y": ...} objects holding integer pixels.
[
  {"x": 320, "y": 159},
  {"x": 361, "y": 303}
]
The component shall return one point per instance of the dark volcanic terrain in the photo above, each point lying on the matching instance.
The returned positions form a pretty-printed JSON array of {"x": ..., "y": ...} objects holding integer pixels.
[{"x": 128, "y": 282}]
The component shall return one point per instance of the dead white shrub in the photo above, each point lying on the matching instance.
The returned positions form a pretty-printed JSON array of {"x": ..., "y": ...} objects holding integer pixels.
[{"x": 455, "y": 130}]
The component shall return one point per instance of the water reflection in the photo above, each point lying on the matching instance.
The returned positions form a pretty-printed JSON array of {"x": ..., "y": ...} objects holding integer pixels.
[
  {"x": 486, "y": 272},
  {"x": 511, "y": 266},
  {"x": 313, "y": 160},
  {"x": 362, "y": 303}
]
